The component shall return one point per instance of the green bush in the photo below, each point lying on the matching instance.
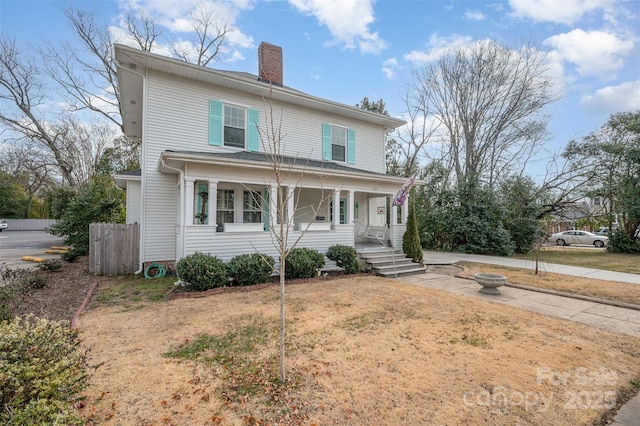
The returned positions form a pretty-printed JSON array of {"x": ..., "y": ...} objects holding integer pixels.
[
  {"x": 411, "y": 239},
  {"x": 303, "y": 263},
  {"x": 42, "y": 372},
  {"x": 50, "y": 265},
  {"x": 34, "y": 281},
  {"x": 74, "y": 254},
  {"x": 249, "y": 269},
  {"x": 345, "y": 257},
  {"x": 200, "y": 272}
]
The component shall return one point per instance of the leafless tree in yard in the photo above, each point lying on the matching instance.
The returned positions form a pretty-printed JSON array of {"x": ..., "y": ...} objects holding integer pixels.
[
  {"x": 22, "y": 113},
  {"x": 285, "y": 174},
  {"x": 489, "y": 100}
]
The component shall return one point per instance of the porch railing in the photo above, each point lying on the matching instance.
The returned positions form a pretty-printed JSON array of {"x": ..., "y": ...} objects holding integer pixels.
[{"x": 380, "y": 236}]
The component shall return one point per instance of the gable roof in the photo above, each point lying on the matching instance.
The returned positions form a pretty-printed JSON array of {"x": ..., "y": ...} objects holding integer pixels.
[{"x": 132, "y": 65}]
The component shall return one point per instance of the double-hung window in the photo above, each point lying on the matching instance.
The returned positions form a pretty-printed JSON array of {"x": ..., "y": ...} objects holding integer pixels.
[
  {"x": 338, "y": 143},
  {"x": 252, "y": 207},
  {"x": 225, "y": 203},
  {"x": 233, "y": 126}
]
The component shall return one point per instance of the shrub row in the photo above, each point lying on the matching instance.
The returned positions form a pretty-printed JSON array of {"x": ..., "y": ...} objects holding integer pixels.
[
  {"x": 200, "y": 271},
  {"x": 15, "y": 283}
]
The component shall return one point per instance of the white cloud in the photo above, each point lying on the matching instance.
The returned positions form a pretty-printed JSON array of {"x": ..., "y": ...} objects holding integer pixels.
[
  {"x": 436, "y": 47},
  {"x": 347, "y": 20},
  {"x": 596, "y": 53},
  {"x": 474, "y": 15},
  {"x": 611, "y": 99},
  {"x": 390, "y": 67},
  {"x": 176, "y": 16},
  {"x": 561, "y": 12}
]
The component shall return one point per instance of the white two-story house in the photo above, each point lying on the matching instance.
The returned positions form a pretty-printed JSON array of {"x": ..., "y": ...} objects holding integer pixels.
[{"x": 207, "y": 183}]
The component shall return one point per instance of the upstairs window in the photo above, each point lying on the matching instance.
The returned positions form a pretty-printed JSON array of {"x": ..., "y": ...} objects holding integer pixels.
[
  {"x": 338, "y": 143},
  {"x": 233, "y": 126}
]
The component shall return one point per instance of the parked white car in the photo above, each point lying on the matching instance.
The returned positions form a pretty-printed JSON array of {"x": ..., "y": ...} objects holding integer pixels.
[
  {"x": 578, "y": 237},
  {"x": 3, "y": 225}
]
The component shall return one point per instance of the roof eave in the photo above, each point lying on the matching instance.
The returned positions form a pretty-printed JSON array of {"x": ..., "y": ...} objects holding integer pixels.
[{"x": 249, "y": 164}]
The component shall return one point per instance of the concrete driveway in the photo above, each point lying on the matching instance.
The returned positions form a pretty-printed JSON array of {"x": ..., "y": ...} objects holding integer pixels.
[{"x": 15, "y": 244}]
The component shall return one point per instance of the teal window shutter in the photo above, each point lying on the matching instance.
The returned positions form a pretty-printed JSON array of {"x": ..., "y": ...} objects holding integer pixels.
[
  {"x": 253, "y": 137},
  {"x": 326, "y": 141},
  {"x": 265, "y": 209},
  {"x": 351, "y": 146},
  {"x": 215, "y": 122}
]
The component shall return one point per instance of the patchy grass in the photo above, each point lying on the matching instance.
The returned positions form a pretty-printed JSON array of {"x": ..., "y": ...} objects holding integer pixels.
[
  {"x": 588, "y": 258},
  {"x": 623, "y": 292},
  {"x": 364, "y": 350},
  {"x": 134, "y": 290}
]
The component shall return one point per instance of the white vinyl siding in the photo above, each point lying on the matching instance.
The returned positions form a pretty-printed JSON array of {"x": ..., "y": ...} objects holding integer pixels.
[
  {"x": 177, "y": 117},
  {"x": 133, "y": 201}
]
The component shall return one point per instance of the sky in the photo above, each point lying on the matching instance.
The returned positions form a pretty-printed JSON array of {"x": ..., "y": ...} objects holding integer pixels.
[{"x": 344, "y": 50}]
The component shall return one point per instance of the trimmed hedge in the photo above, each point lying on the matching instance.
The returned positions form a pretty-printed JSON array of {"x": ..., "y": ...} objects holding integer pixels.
[
  {"x": 249, "y": 269},
  {"x": 303, "y": 263},
  {"x": 201, "y": 272},
  {"x": 345, "y": 257}
]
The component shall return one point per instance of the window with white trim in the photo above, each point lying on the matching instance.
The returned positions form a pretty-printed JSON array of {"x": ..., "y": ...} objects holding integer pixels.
[
  {"x": 234, "y": 126},
  {"x": 251, "y": 207},
  {"x": 338, "y": 143},
  {"x": 225, "y": 202}
]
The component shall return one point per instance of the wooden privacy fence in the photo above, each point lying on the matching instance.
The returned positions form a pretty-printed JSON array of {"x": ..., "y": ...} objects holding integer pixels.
[{"x": 114, "y": 248}]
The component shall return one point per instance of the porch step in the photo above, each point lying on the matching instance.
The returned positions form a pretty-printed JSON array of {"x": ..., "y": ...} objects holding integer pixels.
[
  {"x": 402, "y": 272},
  {"x": 390, "y": 263}
]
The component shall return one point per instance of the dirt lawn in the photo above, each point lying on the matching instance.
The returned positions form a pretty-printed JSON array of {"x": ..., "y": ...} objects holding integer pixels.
[{"x": 362, "y": 350}]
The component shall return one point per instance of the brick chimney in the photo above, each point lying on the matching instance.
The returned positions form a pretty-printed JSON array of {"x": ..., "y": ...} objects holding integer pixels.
[{"x": 270, "y": 63}]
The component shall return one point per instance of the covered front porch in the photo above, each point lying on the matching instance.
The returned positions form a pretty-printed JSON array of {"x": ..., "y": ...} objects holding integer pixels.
[{"x": 228, "y": 210}]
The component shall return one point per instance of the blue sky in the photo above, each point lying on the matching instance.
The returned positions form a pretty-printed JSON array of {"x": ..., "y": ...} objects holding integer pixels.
[{"x": 344, "y": 50}]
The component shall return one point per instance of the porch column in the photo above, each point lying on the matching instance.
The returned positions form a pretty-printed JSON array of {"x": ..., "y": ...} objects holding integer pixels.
[
  {"x": 291, "y": 191},
  {"x": 273, "y": 205},
  {"x": 405, "y": 211},
  {"x": 394, "y": 215},
  {"x": 350, "y": 206},
  {"x": 188, "y": 201},
  {"x": 213, "y": 202},
  {"x": 336, "y": 207}
]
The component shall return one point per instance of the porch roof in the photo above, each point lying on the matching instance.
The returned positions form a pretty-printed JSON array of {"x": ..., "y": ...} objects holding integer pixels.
[{"x": 261, "y": 161}]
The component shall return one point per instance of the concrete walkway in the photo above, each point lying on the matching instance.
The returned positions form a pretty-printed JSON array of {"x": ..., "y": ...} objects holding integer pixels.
[
  {"x": 621, "y": 320},
  {"x": 440, "y": 258}
]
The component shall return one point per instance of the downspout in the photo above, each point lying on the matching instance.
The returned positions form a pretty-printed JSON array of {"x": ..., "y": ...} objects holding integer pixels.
[{"x": 183, "y": 229}]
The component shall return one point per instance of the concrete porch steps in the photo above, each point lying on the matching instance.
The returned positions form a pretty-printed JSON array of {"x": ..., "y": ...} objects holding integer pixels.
[{"x": 381, "y": 262}]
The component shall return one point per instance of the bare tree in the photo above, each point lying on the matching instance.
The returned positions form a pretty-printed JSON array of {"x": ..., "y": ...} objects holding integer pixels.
[
  {"x": 210, "y": 36},
  {"x": 142, "y": 30},
  {"x": 22, "y": 95},
  {"x": 489, "y": 100},
  {"x": 285, "y": 174},
  {"x": 413, "y": 139}
]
